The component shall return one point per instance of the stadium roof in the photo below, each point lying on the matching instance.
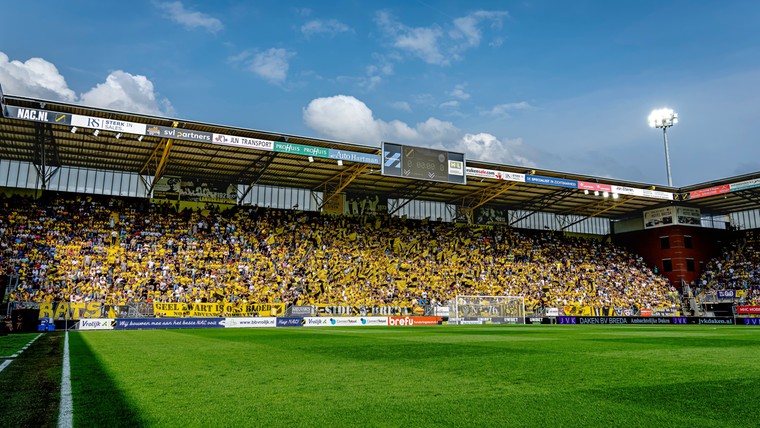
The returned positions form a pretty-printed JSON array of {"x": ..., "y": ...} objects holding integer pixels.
[{"x": 40, "y": 132}]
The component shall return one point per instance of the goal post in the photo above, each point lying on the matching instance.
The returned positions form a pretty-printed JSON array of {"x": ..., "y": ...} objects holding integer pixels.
[{"x": 488, "y": 310}]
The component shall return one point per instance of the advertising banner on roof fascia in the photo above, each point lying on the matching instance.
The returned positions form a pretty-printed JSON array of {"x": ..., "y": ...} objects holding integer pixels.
[
  {"x": 656, "y": 194},
  {"x": 585, "y": 185},
  {"x": 178, "y": 134},
  {"x": 299, "y": 149},
  {"x": 710, "y": 191},
  {"x": 36, "y": 115},
  {"x": 496, "y": 175},
  {"x": 551, "y": 181},
  {"x": 353, "y": 156},
  {"x": 747, "y": 184},
  {"x": 108, "y": 124},
  {"x": 248, "y": 143},
  {"x": 645, "y": 193},
  {"x": 624, "y": 190}
]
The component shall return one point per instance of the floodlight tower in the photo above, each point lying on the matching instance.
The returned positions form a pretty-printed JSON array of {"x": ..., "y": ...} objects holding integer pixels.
[{"x": 664, "y": 118}]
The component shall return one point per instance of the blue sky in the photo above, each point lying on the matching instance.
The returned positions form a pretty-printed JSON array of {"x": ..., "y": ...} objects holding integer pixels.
[{"x": 560, "y": 85}]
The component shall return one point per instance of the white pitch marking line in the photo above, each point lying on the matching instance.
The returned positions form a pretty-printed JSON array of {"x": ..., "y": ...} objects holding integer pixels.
[
  {"x": 7, "y": 362},
  {"x": 66, "y": 412}
]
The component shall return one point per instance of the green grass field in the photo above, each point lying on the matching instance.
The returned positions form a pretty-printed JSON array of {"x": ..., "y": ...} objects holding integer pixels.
[{"x": 419, "y": 376}]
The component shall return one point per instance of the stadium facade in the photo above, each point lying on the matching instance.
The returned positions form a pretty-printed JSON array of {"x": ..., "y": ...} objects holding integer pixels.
[{"x": 49, "y": 146}]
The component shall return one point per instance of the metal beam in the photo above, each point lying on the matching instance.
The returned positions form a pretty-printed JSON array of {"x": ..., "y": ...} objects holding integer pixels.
[
  {"x": 161, "y": 166},
  {"x": 45, "y": 158},
  {"x": 538, "y": 204},
  {"x": 265, "y": 161},
  {"x": 417, "y": 188},
  {"x": 333, "y": 186},
  {"x": 749, "y": 195},
  {"x": 603, "y": 206},
  {"x": 482, "y": 196}
]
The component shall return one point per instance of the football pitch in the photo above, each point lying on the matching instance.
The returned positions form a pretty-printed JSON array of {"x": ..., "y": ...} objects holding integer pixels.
[{"x": 396, "y": 377}]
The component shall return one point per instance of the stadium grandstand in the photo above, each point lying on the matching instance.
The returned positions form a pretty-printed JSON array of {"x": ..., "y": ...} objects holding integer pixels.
[{"x": 133, "y": 212}]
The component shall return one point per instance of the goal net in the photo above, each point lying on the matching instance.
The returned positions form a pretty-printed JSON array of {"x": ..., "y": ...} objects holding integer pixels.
[{"x": 488, "y": 310}]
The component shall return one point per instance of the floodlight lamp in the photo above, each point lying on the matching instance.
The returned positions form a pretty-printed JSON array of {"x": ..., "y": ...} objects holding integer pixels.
[
  {"x": 118, "y": 135},
  {"x": 615, "y": 196},
  {"x": 606, "y": 194},
  {"x": 311, "y": 158},
  {"x": 140, "y": 138},
  {"x": 96, "y": 133},
  {"x": 340, "y": 162},
  {"x": 73, "y": 129},
  {"x": 585, "y": 192},
  {"x": 662, "y": 118},
  {"x": 596, "y": 193}
]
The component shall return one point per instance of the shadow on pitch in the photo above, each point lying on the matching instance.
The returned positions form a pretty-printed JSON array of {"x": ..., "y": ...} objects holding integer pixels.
[{"x": 98, "y": 400}]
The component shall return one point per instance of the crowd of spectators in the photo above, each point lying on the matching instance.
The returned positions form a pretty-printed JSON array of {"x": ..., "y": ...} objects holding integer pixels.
[
  {"x": 116, "y": 251},
  {"x": 737, "y": 268}
]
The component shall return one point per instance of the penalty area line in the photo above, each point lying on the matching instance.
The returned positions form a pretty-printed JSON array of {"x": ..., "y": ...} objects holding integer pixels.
[{"x": 66, "y": 411}]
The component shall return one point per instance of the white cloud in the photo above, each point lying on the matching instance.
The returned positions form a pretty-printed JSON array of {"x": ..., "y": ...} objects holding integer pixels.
[
  {"x": 176, "y": 12},
  {"x": 34, "y": 78},
  {"x": 450, "y": 104},
  {"x": 505, "y": 110},
  {"x": 401, "y": 105},
  {"x": 343, "y": 117},
  {"x": 421, "y": 42},
  {"x": 467, "y": 28},
  {"x": 434, "y": 45},
  {"x": 458, "y": 92},
  {"x": 38, "y": 78},
  {"x": 376, "y": 73},
  {"x": 348, "y": 119},
  {"x": 272, "y": 64},
  {"x": 127, "y": 92},
  {"x": 330, "y": 27},
  {"x": 486, "y": 147},
  {"x": 302, "y": 11}
]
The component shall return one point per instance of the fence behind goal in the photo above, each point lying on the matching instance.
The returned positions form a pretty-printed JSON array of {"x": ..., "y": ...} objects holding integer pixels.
[{"x": 488, "y": 310}]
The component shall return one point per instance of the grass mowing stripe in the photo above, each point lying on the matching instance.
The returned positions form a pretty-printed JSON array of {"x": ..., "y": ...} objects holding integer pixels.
[
  {"x": 433, "y": 376},
  {"x": 65, "y": 410},
  {"x": 100, "y": 401},
  {"x": 11, "y": 346},
  {"x": 31, "y": 385}
]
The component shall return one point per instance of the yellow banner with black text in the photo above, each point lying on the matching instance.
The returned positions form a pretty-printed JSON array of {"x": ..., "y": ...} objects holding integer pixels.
[
  {"x": 71, "y": 310},
  {"x": 217, "y": 309}
]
